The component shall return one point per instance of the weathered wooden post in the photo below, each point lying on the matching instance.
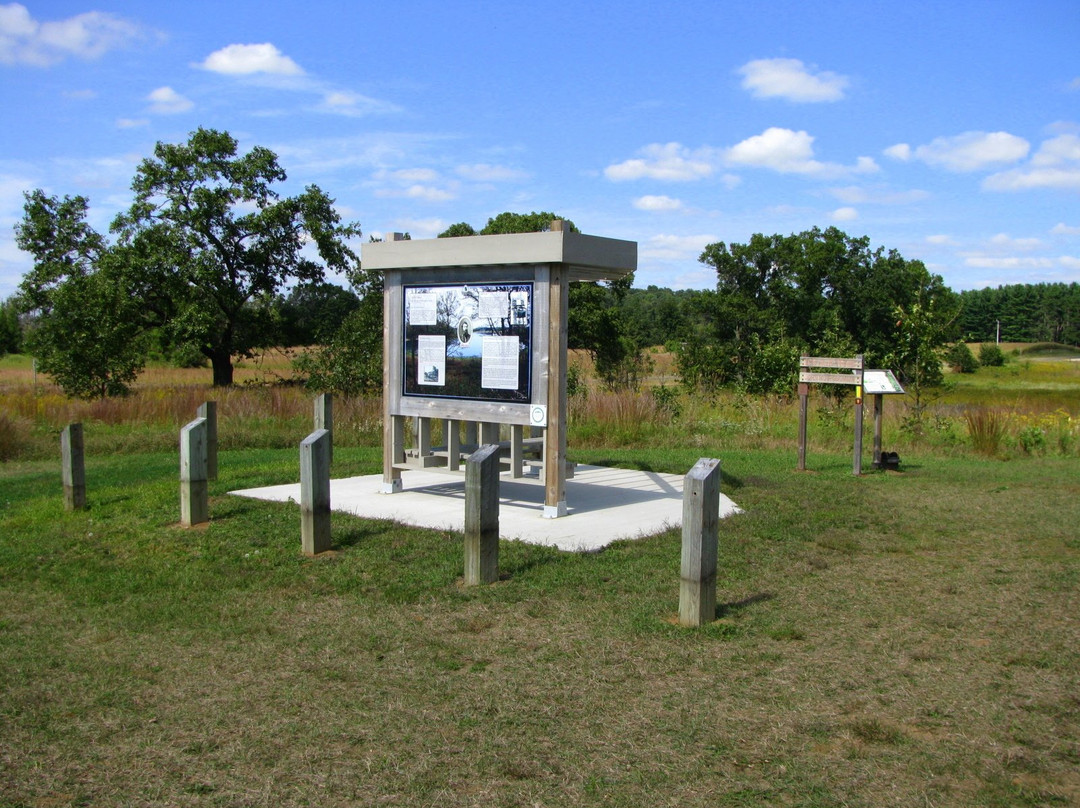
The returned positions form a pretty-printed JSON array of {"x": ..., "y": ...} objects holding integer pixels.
[
  {"x": 194, "y": 491},
  {"x": 73, "y": 469},
  {"x": 324, "y": 417},
  {"x": 482, "y": 516},
  {"x": 208, "y": 410},
  {"x": 315, "y": 492},
  {"x": 701, "y": 520},
  {"x": 804, "y": 395},
  {"x": 856, "y": 467}
]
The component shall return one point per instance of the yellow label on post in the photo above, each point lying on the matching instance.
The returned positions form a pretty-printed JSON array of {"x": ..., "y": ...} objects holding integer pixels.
[{"x": 858, "y": 391}]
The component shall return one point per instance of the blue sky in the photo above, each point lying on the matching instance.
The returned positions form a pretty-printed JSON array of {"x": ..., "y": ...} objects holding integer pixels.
[{"x": 948, "y": 131}]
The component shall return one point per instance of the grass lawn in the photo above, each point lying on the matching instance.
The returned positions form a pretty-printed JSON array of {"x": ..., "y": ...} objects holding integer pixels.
[{"x": 898, "y": 639}]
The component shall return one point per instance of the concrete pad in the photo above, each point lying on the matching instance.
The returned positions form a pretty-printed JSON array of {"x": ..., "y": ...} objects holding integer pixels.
[{"x": 603, "y": 504}]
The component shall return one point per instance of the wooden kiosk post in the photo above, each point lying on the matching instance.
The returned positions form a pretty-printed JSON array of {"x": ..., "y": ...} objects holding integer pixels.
[{"x": 474, "y": 332}]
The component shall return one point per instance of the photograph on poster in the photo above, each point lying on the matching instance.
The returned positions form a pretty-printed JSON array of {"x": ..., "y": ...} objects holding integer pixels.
[{"x": 471, "y": 341}]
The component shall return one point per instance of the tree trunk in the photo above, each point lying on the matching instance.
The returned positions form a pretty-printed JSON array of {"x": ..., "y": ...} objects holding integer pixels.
[{"x": 221, "y": 362}]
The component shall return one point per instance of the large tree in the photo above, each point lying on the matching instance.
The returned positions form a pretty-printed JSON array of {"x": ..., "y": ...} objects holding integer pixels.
[
  {"x": 86, "y": 332},
  {"x": 209, "y": 237},
  {"x": 823, "y": 292}
]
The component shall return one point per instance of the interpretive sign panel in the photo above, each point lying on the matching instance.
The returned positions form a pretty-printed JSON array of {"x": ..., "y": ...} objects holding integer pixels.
[
  {"x": 468, "y": 341},
  {"x": 881, "y": 383}
]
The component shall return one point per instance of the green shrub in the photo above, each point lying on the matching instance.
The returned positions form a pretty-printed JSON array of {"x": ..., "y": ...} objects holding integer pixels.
[
  {"x": 991, "y": 356},
  {"x": 961, "y": 359}
]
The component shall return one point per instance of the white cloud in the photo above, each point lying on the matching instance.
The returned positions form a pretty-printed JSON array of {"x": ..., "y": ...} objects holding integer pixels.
[
  {"x": 1069, "y": 261},
  {"x": 1062, "y": 229},
  {"x": 844, "y": 215},
  {"x": 657, "y": 203},
  {"x": 1028, "y": 179},
  {"x": 131, "y": 123},
  {"x": 1061, "y": 150},
  {"x": 424, "y": 193},
  {"x": 354, "y": 105},
  {"x": 663, "y": 161},
  {"x": 1075, "y": 84},
  {"x": 792, "y": 80},
  {"x": 410, "y": 175},
  {"x": 24, "y": 40},
  {"x": 666, "y": 247},
  {"x": 790, "y": 152},
  {"x": 901, "y": 151},
  {"x": 940, "y": 240},
  {"x": 973, "y": 151},
  {"x": 244, "y": 60},
  {"x": 1009, "y": 262},
  {"x": 166, "y": 101},
  {"x": 1055, "y": 165},
  {"x": 858, "y": 195},
  {"x": 485, "y": 172},
  {"x": 1005, "y": 241}
]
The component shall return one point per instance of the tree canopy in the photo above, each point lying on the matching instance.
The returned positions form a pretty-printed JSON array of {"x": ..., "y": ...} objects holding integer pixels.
[
  {"x": 820, "y": 292},
  {"x": 208, "y": 230},
  {"x": 200, "y": 255}
]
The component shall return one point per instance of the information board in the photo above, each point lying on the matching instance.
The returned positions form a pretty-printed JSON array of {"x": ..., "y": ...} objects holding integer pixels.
[{"x": 470, "y": 341}]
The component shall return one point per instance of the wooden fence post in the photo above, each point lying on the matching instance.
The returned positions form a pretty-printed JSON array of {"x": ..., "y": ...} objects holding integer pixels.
[
  {"x": 73, "y": 468},
  {"x": 194, "y": 491},
  {"x": 208, "y": 410},
  {"x": 324, "y": 417},
  {"x": 315, "y": 492},
  {"x": 701, "y": 521},
  {"x": 482, "y": 516}
]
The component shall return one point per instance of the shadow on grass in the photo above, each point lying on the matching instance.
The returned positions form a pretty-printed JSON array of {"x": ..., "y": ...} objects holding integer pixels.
[
  {"x": 640, "y": 465},
  {"x": 722, "y": 609}
]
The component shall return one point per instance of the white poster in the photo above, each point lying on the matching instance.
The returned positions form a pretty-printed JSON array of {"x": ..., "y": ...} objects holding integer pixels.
[
  {"x": 431, "y": 360},
  {"x": 500, "y": 363},
  {"x": 423, "y": 307},
  {"x": 495, "y": 305}
]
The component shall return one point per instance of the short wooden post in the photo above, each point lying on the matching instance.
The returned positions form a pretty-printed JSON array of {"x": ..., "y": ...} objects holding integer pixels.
[
  {"x": 315, "y": 492},
  {"x": 72, "y": 467},
  {"x": 482, "y": 516},
  {"x": 208, "y": 410},
  {"x": 194, "y": 491},
  {"x": 324, "y": 417},
  {"x": 453, "y": 444},
  {"x": 517, "y": 451},
  {"x": 701, "y": 521}
]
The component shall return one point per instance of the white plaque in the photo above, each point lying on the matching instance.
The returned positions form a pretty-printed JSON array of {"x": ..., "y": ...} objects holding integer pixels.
[
  {"x": 500, "y": 363},
  {"x": 431, "y": 360}
]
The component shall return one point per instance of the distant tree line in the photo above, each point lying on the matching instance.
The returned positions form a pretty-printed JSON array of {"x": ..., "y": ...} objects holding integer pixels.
[
  {"x": 210, "y": 263},
  {"x": 1043, "y": 312}
]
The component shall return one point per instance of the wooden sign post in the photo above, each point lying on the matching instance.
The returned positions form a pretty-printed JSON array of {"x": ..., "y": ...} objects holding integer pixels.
[{"x": 824, "y": 370}]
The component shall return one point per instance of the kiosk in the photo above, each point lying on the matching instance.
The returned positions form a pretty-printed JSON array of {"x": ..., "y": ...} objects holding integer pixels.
[{"x": 474, "y": 336}]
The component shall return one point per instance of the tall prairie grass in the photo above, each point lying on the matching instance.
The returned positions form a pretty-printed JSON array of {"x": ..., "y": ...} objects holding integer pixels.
[
  {"x": 986, "y": 429},
  {"x": 1025, "y": 408}
]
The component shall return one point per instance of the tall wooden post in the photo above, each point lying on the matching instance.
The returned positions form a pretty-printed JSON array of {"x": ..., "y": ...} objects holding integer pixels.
[
  {"x": 804, "y": 395},
  {"x": 194, "y": 491},
  {"x": 324, "y": 417},
  {"x": 482, "y": 516},
  {"x": 701, "y": 521},
  {"x": 72, "y": 467},
  {"x": 315, "y": 492},
  {"x": 857, "y": 462},
  {"x": 208, "y": 410},
  {"x": 878, "y": 407},
  {"x": 555, "y": 434}
]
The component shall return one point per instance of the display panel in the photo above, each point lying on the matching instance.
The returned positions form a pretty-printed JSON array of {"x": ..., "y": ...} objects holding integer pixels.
[{"x": 471, "y": 341}]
